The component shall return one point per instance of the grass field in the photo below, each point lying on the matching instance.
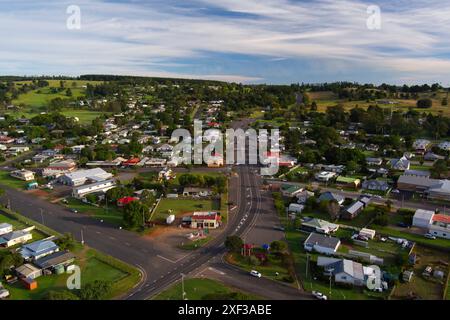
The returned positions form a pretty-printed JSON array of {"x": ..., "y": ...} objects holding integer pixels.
[
  {"x": 180, "y": 206},
  {"x": 7, "y": 180},
  {"x": 196, "y": 289},
  {"x": 194, "y": 245},
  {"x": 111, "y": 215}
]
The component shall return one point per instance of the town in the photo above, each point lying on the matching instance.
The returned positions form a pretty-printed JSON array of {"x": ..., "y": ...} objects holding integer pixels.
[{"x": 358, "y": 208}]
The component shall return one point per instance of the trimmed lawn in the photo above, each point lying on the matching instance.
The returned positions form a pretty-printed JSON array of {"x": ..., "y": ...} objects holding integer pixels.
[
  {"x": 111, "y": 215},
  {"x": 180, "y": 206},
  {"x": 196, "y": 289},
  {"x": 194, "y": 245},
  {"x": 11, "y": 182}
]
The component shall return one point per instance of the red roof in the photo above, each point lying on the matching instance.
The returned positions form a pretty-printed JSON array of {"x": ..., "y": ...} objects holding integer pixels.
[
  {"x": 131, "y": 161},
  {"x": 441, "y": 218},
  {"x": 126, "y": 200},
  {"x": 212, "y": 216}
]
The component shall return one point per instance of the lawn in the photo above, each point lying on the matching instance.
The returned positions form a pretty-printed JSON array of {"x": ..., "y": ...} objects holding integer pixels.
[
  {"x": 428, "y": 289},
  {"x": 197, "y": 289},
  {"x": 180, "y": 206},
  {"x": 195, "y": 244},
  {"x": 94, "y": 266},
  {"x": 268, "y": 269},
  {"x": 11, "y": 182},
  {"x": 112, "y": 214}
]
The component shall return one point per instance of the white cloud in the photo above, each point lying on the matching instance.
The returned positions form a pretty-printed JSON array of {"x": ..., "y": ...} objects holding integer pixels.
[{"x": 141, "y": 38}]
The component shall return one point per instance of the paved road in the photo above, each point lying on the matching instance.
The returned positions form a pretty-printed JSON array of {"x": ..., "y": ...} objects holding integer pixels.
[{"x": 241, "y": 280}]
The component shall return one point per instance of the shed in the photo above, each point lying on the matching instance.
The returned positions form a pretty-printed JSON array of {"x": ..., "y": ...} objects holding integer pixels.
[
  {"x": 422, "y": 218},
  {"x": 30, "y": 284},
  {"x": 28, "y": 271},
  {"x": 369, "y": 233}
]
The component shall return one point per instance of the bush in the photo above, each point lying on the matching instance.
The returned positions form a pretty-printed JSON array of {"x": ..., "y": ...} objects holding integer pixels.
[
  {"x": 96, "y": 290},
  {"x": 424, "y": 103},
  {"x": 254, "y": 261},
  {"x": 288, "y": 279}
]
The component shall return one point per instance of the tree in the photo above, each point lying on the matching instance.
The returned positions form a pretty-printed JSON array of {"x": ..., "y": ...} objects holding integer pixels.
[
  {"x": 66, "y": 242},
  {"x": 68, "y": 92},
  {"x": 234, "y": 243},
  {"x": 424, "y": 103},
  {"x": 96, "y": 290},
  {"x": 278, "y": 246},
  {"x": 333, "y": 209},
  {"x": 439, "y": 168},
  {"x": 135, "y": 214}
]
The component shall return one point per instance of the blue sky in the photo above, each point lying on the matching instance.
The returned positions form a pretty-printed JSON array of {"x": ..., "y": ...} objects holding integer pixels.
[{"x": 250, "y": 41}]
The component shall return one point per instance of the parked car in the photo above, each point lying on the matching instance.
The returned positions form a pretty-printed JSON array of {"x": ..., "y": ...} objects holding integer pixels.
[
  {"x": 278, "y": 228},
  {"x": 430, "y": 236},
  {"x": 319, "y": 295},
  {"x": 403, "y": 225},
  {"x": 4, "y": 293},
  {"x": 255, "y": 274},
  {"x": 74, "y": 210}
]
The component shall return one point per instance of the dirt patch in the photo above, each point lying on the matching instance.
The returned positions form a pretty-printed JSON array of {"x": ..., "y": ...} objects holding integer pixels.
[{"x": 38, "y": 193}]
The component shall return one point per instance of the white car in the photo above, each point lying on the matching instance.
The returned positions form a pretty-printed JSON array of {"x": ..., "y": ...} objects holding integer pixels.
[
  {"x": 255, "y": 274},
  {"x": 430, "y": 236},
  {"x": 319, "y": 295}
]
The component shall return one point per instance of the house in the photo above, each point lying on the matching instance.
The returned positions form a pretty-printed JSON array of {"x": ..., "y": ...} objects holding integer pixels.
[
  {"x": 318, "y": 226},
  {"x": 439, "y": 190},
  {"x": 348, "y": 182},
  {"x": 205, "y": 220},
  {"x": 105, "y": 164},
  {"x": 374, "y": 161},
  {"x": 415, "y": 183},
  {"x": 329, "y": 196},
  {"x": 289, "y": 190},
  {"x": 421, "y": 145},
  {"x": 422, "y": 218},
  {"x": 197, "y": 192},
  {"x": 80, "y": 177},
  {"x": 368, "y": 233},
  {"x": 58, "y": 168},
  {"x": 97, "y": 187},
  {"x": 15, "y": 237},
  {"x": 440, "y": 226},
  {"x": 131, "y": 162},
  {"x": 321, "y": 243},
  {"x": 417, "y": 173},
  {"x": 6, "y": 140},
  {"x": 28, "y": 271},
  {"x": 38, "y": 249},
  {"x": 22, "y": 174},
  {"x": 444, "y": 145},
  {"x": 325, "y": 176},
  {"x": 55, "y": 260},
  {"x": 155, "y": 162},
  {"x": 430, "y": 156},
  {"x": 350, "y": 272},
  {"x": 303, "y": 196},
  {"x": 39, "y": 158},
  {"x": 5, "y": 228},
  {"x": 353, "y": 210},
  {"x": 126, "y": 200},
  {"x": 401, "y": 164},
  {"x": 375, "y": 185},
  {"x": 296, "y": 208}
]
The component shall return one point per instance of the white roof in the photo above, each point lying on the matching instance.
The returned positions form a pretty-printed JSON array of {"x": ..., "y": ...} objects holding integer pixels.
[
  {"x": 424, "y": 214},
  {"x": 89, "y": 173}
]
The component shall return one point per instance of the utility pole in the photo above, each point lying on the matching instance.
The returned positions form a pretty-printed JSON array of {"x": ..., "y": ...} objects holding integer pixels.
[
  {"x": 183, "y": 294},
  {"x": 42, "y": 215},
  {"x": 82, "y": 237},
  {"x": 331, "y": 273}
]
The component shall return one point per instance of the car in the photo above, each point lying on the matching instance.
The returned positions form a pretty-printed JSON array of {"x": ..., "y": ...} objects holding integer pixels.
[
  {"x": 74, "y": 210},
  {"x": 403, "y": 225},
  {"x": 429, "y": 236},
  {"x": 278, "y": 228},
  {"x": 255, "y": 273},
  {"x": 319, "y": 295}
]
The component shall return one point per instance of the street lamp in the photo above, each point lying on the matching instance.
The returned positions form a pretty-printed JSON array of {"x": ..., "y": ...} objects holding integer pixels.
[
  {"x": 331, "y": 273},
  {"x": 183, "y": 293}
]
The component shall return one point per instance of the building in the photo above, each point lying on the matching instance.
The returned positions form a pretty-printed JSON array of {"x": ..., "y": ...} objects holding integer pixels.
[
  {"x": 430, "y": 156},
  {"x": 156, "y": 162},
  {"x": 439, "y": 190},
  {"x": 353, "y": 210},
  {"x": 350, "y": 272},
  {"x": 421, "y": 145},
  {"x": 329, "y": 196},
  {"x": 325, "y": 176},
  {"x": 303, "y": 196},
  {"x": 417, "y": 173},
  {"x": 321, "y": 243},
  {"x": 16, "y": 237},
  {"x": 55, "y": 260},
  {"x": 415, "y": 183},
  {"x": 126, "y": 200},
  {"x": 440, "y": 226},
  {"x": 289, "y": 190},
  {"x": 444, "y": 145},
  {"x": 80, "y": 177},
  {"x": 296, "y": 208},
  {"x": 368, "y": 233},
  {"x": 196, "y": 192},
  {"x": 401, "y": 164},
  {"x": 205, "y": 220},
  {"x": 215, "y": 161},
  {"x": 58, "y": 168},
  {"x": 28, "y": 271},
  {"x": 319, "y": 226},
  {"x": 374, "y": 161},
  {"x": 375, "y": 185},
  {"x": 23, "y": 174},
  {"x": 422, "y": 218},
  {"x": 98, "y": 187},
  {"x": 5, "y": 228},
  {"x": 38, "y": 249}
]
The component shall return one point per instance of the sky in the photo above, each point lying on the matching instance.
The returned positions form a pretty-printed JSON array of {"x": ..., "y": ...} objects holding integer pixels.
[{"x": 248, "y": 41}]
